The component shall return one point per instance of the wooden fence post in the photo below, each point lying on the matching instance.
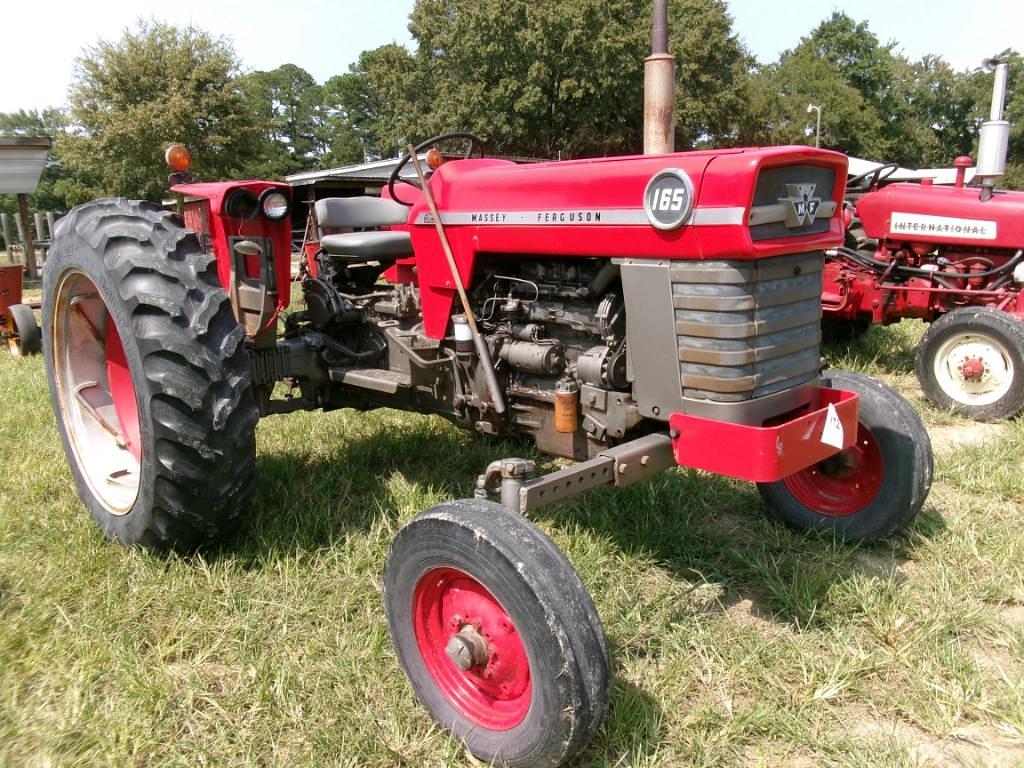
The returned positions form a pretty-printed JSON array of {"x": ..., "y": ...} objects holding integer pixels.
[
  {"x": 40, "y": 232},
  {"x": 5, "y": 225},
  {"x": 26, "y": 238}
]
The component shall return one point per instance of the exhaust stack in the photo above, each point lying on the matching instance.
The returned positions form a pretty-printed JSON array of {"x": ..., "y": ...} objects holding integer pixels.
[
  {"x": 995, "y": 133},
  {"x": 659, "y": 88}
]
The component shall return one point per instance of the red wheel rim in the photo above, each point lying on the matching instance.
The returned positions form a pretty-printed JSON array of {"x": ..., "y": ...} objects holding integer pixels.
[
  {"x": 122, "y": 390},
  {"x": 843, "y": 484},
  {"x": 494, "y": 694}
]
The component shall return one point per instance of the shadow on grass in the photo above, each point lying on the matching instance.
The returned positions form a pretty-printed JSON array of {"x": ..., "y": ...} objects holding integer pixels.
[{"x": 702, "y": 528}]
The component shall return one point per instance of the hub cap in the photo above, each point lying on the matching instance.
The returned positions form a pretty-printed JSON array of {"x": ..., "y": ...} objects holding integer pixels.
[
  {"x": 95, "y": 393},
  {"x": 471, "y": 649},
  {"x": 974, "y": 369},
  {"x": 842, "y": 484}
]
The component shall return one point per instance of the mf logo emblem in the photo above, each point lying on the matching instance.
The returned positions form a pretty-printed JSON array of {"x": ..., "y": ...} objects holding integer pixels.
[{"x": 801, "y": 205}]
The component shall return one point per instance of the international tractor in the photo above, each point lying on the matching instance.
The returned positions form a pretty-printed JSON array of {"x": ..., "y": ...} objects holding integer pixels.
[
  {"x": 628, "y": 315},
  {"x": 952, "y": 257}
]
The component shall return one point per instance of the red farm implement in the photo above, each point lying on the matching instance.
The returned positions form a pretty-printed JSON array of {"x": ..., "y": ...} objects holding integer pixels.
[{"x": 18, "y": 327}]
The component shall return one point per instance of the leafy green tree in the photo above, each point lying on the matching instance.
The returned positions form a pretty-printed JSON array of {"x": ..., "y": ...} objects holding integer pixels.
[
  {"x": 565, "y": 78},
  {"x": 157, "y": 85},
  {"x": 937, "y": 125},
  {"x": 712, "y": 71},
  {"x": 842, "y": 67},
  {"x": 374, "y": 109},
  {"x": 289, "y": 106}
]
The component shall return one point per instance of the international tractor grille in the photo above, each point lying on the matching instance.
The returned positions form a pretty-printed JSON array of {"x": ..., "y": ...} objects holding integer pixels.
[{"x": 747, "y": 329}]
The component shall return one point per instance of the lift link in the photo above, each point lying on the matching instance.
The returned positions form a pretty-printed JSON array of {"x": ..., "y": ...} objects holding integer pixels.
[{"x": 619, "y": 466}]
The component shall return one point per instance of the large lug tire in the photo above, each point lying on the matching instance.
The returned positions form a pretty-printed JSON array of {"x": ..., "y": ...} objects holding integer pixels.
[
  {"x": 497, "y": 634},
  {"x": 971, "y": 361},
  {"x": 23, "y": 338},
  {"x": 871, "y": 490},
  {"x": 148, "y": 375}
]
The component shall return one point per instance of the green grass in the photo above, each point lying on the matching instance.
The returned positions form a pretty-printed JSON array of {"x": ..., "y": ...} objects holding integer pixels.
[{"x": 734, "y": 640}]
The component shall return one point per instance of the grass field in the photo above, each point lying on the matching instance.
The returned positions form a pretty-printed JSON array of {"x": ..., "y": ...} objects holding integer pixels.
[{"x": 734, "y": 640}]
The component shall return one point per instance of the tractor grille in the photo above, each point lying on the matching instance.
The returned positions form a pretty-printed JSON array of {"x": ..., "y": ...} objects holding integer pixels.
[{"x": 747, "y": 329}]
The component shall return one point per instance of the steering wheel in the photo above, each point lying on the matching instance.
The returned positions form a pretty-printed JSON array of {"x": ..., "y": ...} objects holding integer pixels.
[
  {"x": 475, "y": 145},
  {"x": 877, "y": 174}
]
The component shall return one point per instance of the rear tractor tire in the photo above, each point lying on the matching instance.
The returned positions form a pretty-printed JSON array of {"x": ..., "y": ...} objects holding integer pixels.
[
  {"x": 148, "y": 375},
  {"x": 971, "y": 361},
  {"x": 497, "y": 634},
  {"x": 23, "y": 332},
  {"x": 873, "y": 489}
]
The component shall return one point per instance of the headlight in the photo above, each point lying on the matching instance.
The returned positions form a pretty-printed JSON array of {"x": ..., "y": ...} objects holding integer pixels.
[
  {"x": 241, "y": 204},
  {"x": 274, "y": 204}
]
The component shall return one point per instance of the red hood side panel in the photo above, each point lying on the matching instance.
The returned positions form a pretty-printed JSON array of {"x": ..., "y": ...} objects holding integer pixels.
[{"x": 953, "y": 215}]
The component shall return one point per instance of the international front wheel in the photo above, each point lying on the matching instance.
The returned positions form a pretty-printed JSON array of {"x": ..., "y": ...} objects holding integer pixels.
[
  {"x": 148, "y": 376},
  {"x": 497, "y": 634},
  {"x": 971, "y": 361},
  {"x": 23, "y": 332},
  {"x": 871, "y": 490}
]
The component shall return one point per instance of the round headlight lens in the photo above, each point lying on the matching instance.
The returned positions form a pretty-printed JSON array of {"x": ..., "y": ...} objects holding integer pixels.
[{"x": 275, "y": 204}]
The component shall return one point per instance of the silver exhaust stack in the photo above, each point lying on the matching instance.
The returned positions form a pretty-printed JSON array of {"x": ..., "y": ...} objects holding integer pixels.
[{"x": 994, "y": 136}]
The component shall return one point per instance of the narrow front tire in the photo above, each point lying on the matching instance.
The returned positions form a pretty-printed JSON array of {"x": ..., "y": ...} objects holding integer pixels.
[{"x": 497, "y": 635}]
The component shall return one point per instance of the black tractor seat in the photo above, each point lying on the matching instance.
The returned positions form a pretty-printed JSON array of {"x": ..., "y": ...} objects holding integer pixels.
[{"x": 363, "y": 213}]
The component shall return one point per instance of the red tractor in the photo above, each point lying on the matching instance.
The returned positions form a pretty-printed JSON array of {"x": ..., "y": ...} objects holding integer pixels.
[
  {"x": 629, "y": 314},
  {"x": 952, "y": 257}
]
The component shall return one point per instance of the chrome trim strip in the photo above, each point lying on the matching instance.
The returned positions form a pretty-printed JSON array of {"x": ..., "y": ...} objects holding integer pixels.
[{"x": 580, "y": 217}]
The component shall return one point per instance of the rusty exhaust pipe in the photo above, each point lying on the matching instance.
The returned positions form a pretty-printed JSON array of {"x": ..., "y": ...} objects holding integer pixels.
[{"x": 659, "y": 88}]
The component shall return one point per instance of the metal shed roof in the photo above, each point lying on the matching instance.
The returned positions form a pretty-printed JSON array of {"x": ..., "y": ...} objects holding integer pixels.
[{"x": 22, "y": 159}]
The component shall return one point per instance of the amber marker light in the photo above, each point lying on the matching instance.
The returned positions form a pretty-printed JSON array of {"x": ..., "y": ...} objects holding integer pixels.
[
  {"x": 178, "y": 158},
  {"x": 434, "y": 158}
]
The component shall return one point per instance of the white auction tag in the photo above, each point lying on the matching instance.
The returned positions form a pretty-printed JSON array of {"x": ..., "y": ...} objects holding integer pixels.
[{"x": 832, "y": 434}]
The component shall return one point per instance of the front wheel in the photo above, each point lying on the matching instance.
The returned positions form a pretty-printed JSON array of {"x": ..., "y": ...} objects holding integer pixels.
[
  {"x": 148, "y": 376},
  {"x": 971, "y": 361},
  {"x": 871, "y": 490},
  {"x": 497, "y": 634}
]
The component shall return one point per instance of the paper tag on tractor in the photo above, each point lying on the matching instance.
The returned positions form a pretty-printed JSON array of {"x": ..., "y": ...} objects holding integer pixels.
[{"x": 832, "y": 434}]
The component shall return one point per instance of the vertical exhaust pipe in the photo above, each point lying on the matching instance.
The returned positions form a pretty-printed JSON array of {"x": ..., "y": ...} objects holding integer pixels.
[
  {"x": 994, "y": 137},
  {"x": 659, "y": 88}
]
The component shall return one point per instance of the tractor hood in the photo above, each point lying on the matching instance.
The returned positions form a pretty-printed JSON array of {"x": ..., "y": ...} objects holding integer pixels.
[{"x": 726, "y": 204}]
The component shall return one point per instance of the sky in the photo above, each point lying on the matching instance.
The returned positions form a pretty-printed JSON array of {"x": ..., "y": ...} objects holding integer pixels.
[{"x": 324, "y": 37}]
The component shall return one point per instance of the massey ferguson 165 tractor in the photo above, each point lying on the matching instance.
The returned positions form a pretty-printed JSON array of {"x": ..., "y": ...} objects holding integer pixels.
[
  {"x": 628, "y": 314},
  {"x": 950, "y": 255}
]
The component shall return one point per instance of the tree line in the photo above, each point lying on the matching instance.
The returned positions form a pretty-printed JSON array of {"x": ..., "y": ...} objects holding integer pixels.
[{"x": 534, "y": 78}]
